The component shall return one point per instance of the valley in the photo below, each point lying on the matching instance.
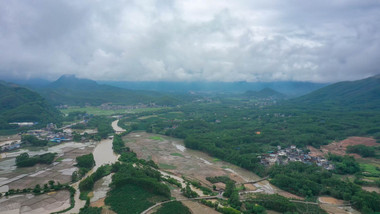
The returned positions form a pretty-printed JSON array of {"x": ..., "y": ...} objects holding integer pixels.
[
  {"x": 213, "y": 154},
  {"x": 189, "y": 107}
]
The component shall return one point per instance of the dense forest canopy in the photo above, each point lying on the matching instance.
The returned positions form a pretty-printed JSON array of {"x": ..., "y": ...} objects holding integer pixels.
[
  {"x": 353, "y": 95},
  {"x": 18, "y": 104}
]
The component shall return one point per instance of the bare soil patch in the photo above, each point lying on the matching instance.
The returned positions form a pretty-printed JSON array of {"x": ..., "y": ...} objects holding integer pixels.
[
  {"x": 333, "y": 205},
  {"x": 314, "y": 152},
  {"x": 194, "y": 165},
  {"x": 61, "y": 171},
  {"x": 107, "y": 210},
  {"x": 28, "y": 203},
  {"x": 198, "y": 208},
  {"x": 10, "y": 137},
  {"x": 371, "y": 189},
  {"x": 334, "y": 209},
  {"x": 290, "y": 195},
  {"x": 330, "y": 200},
  {"x": 339, "y": 148},
  {"x": 98, "y": 203}
]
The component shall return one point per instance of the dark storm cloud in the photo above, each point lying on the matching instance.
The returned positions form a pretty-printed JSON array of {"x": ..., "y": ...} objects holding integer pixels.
[{"x": 217, "y": 40}]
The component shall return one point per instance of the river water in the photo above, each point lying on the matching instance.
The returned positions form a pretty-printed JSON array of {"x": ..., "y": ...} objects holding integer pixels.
[
  {"x": 117, "y": 128},
  {"x": 103, "y": 154}
]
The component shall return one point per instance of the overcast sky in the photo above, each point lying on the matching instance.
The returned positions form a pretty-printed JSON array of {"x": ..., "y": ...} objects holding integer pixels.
[{"x": 211, "y": 40}]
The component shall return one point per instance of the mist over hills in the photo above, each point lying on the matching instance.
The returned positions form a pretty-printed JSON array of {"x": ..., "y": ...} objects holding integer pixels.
[
  {"x": 289, "y": 88},
  {"x": 265, "y": 93},
  {"x": 71, "y": 90}
]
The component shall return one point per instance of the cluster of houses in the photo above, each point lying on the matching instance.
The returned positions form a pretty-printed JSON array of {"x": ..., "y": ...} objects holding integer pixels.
[
  {"x": 49, "y": 133},
  {"x": 10, "y": 145},
  {"x": 292, "y": 154}
]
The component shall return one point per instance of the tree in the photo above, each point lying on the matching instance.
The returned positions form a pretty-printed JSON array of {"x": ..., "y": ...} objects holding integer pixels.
[
  {"x": 230, "y": 187},
  {"x": 86, "y": 184},
  {"x": 46, "y": 187},
  {"x": 188, "y": 192},
  {"x": 74, "y": 176},
  {"x": 86, "y": 161},
  {"x": 37, "y": 189},
  {"x": 22, "y": 157},
  {"x": 77, "y": 137},
  {"x": 51, "y": 183},
  {"x": 234, "y": 200}
]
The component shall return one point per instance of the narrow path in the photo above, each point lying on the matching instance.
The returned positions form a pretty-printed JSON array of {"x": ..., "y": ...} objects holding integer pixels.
[
  {"x": 68, "y": 126},
  {"x": 257, "y": 181},
  {"x": 304, "y": 202}
]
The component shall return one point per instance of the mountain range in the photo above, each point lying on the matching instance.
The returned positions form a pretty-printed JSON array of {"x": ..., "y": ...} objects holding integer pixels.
[
  {"x": 71, "y": 90},
  {"x": 21, "y": 104},
  {"x": 290, "y": 88},
  {"x": 264, "y": 93}
]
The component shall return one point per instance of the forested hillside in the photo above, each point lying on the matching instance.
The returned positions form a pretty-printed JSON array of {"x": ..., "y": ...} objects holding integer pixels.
[
  {"x": 289, "y": 88},
  {"x": 359, "y": 95},
  {"x": 264, "y": 93},
  {"x": 74, "y": 91},
  {"x": 18, "y": 104}
]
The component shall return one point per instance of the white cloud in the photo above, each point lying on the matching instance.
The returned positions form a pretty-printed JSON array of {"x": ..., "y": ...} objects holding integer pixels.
[{"x": 177, "y": 40}]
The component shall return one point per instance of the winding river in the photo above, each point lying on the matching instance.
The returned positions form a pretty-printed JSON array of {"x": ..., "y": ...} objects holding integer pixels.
[{"x": 103, "y": 154}]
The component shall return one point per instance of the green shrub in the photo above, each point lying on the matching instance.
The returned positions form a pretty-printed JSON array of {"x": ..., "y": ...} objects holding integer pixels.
[{"x": 172, "y": 208}]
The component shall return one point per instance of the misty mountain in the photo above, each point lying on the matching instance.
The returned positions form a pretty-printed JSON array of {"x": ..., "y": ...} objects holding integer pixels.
[
  {"x": 19, "y": 104},
  {"x": 360, "y": 94},
  {"x": 71, "y": 90},
  {"x": 264, "y": 93},
  {"x": 288, "y": 88},
  {"x": 30, "y": 83}
]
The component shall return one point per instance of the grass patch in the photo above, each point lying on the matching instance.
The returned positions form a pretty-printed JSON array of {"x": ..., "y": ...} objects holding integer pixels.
[
  {"x": 372, "y": 178},
  {"x": 147, "y": 117},
  {"x": 369, "y": 168},
  {"x": 83, "y": 195},
  {"x": 94, "y": 110},
  {"x": 240, "y": 188},
  {"x": 166, "y": 166},
  {"x": 59, "y": 159},
  {"x": 215, "y": 160},
  {"x": 98, "y": 111},
  {"x": 156, "y": 138},
  {"x": 131, "y": 199},
  {"x": 224, "y": 167},
  {"x": 177, "y": 154}
]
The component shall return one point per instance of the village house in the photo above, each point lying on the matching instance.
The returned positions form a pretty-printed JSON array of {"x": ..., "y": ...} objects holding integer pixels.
[{"x": 293, "y": 154}]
